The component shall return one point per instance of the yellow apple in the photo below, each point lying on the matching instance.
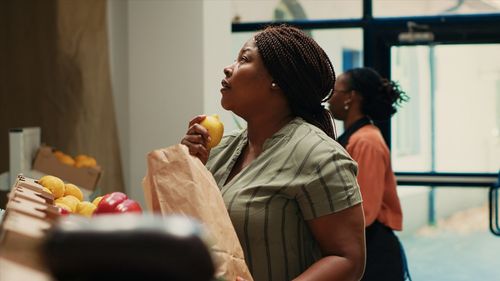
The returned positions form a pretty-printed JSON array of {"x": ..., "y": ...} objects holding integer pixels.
[
  {"x": 215, "y": 129},
  {"x": 85, "y": 208},
  {"x": 97, "y": 200},
  {"x": 71, "y": 189},
  {"x": 68, "y": 200},
  {"x": 54, "y": 184}
]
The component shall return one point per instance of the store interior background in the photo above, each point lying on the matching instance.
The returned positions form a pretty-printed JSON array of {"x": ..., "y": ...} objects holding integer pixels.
[
  {"x": 165, "y": 66},
  {"x": 166, "y": 69}
]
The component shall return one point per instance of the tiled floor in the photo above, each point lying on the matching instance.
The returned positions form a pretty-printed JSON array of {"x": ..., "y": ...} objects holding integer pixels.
[{"x": 457, "y": 249}]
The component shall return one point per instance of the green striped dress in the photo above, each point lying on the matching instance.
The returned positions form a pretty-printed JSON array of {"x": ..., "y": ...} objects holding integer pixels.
[{"x": 300, "y": 175}]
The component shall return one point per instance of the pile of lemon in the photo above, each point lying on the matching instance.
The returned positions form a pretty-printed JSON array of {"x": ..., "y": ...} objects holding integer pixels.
[
  {"x": 79, "y": 161},
  {"x": 68, "y": 196}
]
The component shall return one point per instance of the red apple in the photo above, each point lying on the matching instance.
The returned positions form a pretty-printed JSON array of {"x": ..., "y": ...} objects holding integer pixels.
[
  {"x": 117, "y": 202},
  {"x": 109, "y": 202},
  {"x": 63, "y": 211},
  {"x": 129, "y": 206}
]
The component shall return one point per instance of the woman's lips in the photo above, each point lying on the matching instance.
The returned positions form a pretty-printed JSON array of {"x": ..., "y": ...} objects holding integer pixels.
[{"x": 225, "y": 85}]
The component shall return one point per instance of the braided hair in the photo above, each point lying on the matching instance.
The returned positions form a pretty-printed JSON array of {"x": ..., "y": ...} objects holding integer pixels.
[
  {"x": 302, "y": 70},
  {"x": 381, "y": 97}
]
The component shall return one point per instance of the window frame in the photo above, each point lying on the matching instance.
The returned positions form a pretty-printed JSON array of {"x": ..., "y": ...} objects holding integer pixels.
[{"x": 380, "y": 34}]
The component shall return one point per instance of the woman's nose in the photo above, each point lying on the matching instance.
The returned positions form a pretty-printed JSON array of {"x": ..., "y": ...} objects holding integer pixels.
[{"x": 228, "y": 71}]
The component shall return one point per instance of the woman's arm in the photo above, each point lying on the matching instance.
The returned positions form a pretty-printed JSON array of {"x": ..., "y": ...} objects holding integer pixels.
[{"x": 341, "y": 237}]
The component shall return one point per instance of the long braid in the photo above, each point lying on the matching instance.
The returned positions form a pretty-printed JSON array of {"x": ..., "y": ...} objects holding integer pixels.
[{"x": 302, "y": 70}]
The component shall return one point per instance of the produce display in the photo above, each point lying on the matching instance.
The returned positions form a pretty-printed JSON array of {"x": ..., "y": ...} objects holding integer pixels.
[
  {"x": 69, "y": 199},
  {"x": 35, "y": 207},
  {"x": 34, "y": 235},
  {"x": 215, "y": 129}
]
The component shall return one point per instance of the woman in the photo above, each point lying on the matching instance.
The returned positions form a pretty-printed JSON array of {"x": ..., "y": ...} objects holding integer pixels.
[
  {"x": 360, "y": 96},
  {"x": 289, "y": 188}
]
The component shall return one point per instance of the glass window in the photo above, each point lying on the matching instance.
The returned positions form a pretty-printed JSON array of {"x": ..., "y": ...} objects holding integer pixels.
[
  {"x": 411, "y": 147},
  {"x": 452, "y": 120},
  {"x": 399, "y": 8},
  {"x": 288, "y": 10},
  {"x": 450, "y": 124}
]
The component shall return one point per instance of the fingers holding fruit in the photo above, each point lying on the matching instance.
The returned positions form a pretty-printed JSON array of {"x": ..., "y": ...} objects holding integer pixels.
[
  {"x": 198, "y": 134},
  {"x": 196, "y": 139},
  {"x": 197, "y": 120},
  {"x": 204, "y": 133}
]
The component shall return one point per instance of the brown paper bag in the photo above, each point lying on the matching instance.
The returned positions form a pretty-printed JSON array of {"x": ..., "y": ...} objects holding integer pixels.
[{"x": 178, "y": 183}]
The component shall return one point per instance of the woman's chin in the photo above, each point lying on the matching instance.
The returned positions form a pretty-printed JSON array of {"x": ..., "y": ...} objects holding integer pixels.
[{"x": 225, "y": 105}]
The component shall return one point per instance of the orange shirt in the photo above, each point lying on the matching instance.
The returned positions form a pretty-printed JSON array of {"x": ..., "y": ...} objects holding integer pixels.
[{"x": 375, "y": 177}]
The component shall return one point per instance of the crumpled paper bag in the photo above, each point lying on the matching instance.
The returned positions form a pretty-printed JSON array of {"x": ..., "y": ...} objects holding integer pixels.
[{"x": 179, "y": 183}]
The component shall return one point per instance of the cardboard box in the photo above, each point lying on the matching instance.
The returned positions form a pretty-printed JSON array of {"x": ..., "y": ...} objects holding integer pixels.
[
  {"x": 25, "y": 205},
  {"x": 22, "y": 235},
  {"x": 85, "y": 177},
  {"x": 29, "y": 188},
  {"x": 23, "y": 229}
]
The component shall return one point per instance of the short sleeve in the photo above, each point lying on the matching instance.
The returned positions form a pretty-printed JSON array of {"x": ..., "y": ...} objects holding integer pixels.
[{"x": 332, "y": 187}]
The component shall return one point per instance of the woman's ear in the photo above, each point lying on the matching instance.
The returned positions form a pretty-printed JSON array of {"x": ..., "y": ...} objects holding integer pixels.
[
  {"x": 356, "y": 96},
  {"x": 347, "y": 104}
]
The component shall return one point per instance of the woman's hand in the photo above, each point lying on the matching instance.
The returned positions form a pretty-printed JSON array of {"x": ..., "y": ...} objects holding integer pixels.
[{"x": 196, "y": 139}]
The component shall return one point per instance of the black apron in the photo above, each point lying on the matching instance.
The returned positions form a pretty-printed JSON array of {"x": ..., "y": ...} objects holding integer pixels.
[{"x": 385, "y": 257}]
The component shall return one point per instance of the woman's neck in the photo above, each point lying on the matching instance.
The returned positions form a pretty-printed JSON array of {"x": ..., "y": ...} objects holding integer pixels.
[
  {"x": 260, "y": 129},
  {"x": 351, "y": 119}
]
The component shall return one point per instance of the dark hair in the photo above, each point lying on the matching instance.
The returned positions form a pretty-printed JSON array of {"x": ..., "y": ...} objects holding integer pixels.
[
  {"x": 302, "y": 70},
  {"x": 381, "y": 97}
]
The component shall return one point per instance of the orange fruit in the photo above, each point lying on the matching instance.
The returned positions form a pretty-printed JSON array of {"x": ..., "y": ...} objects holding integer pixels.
[
  {"x": 68, "y": 160},
  {"x": 91, "y": 162},
  {"x": 58, "y": 154},
  {"x": 64, "y": 158},
  {"x": 83, "y": 160}
]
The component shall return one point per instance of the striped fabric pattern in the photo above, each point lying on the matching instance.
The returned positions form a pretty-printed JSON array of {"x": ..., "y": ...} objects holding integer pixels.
[{"x": 301, "y": 174}]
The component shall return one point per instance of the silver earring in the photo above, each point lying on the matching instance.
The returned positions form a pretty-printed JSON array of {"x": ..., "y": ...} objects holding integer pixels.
[
  {"x": 273, "y": 85},
  {"x": 346, "y": 107}
]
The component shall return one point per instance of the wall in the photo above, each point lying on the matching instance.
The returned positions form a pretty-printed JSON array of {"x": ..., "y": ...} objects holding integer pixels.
[
  {"x": 118, "y": 45},
  {"x": 167, "y": 59}
]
